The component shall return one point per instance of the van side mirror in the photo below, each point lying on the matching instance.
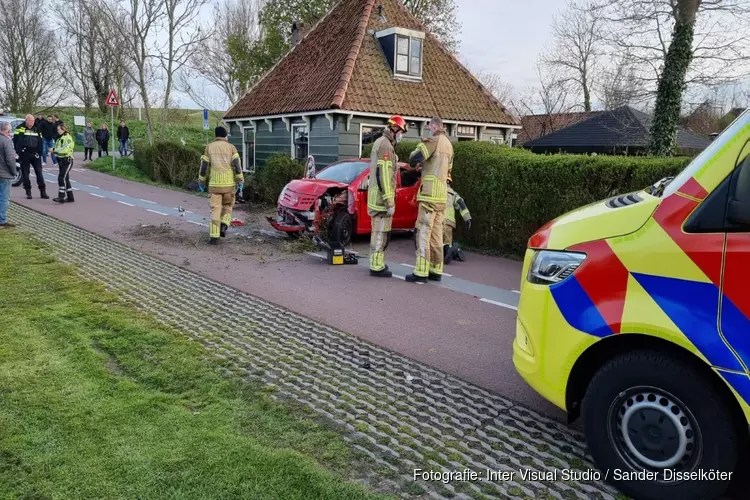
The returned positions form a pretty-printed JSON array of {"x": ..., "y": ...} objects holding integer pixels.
[{"x": 738, "y": 203}]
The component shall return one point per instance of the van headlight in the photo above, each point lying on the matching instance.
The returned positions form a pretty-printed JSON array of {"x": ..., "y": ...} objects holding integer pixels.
[{"x": 550, "y": 267}]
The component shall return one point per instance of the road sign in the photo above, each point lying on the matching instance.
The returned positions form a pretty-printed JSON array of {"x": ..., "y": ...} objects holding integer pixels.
[
  {"x": 79, "y": 121},
  {"x": 205, "y": 119},
  {"x": 112, "y": 99}
]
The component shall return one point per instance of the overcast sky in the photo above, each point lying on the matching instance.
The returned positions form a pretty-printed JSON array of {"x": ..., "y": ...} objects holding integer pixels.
[{"x": 505, "y": 36}]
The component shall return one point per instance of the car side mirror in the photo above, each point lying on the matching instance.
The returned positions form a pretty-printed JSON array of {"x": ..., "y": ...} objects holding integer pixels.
[{"x": 738, "y": 204}]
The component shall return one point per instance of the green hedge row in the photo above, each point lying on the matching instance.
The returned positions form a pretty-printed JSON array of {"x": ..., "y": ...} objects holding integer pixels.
[{"x": 512, "y": 192}]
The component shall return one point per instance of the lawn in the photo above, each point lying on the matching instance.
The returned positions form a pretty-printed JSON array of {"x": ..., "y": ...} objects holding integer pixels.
[{"x": 97, "y": 401}]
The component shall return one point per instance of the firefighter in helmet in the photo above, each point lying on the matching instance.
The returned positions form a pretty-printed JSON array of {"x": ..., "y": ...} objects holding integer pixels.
[
  {"x": 381, "y": 193},
  {"x": 221, "y": 163},
  {"x": 454, "y": 203},
  {"x": 435, "y": 155}
]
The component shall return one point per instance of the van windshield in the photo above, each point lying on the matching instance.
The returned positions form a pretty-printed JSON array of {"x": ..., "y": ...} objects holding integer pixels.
[
  {"x": 344, "y": 172},
  {"x": 700, "y": 161}
]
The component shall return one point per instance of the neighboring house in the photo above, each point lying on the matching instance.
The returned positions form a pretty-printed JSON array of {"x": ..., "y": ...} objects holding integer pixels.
[
  {"x": 363, "y": 62},
  {"x": 624, "y": 130},
  {"x": 535, "y": 126},
  {"x": 704, "y": 120}
]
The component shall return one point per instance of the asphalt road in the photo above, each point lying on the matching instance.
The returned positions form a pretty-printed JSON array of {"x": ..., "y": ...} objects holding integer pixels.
[{"x": 463, "y": 326}]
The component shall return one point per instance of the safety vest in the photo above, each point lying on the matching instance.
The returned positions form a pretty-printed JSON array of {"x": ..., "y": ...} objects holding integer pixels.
[
  {"x": 64, "y": 146},
  {"x": 438, "y": 152}
]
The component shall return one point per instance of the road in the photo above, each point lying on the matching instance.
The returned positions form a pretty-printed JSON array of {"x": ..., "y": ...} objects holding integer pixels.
[{"x": 463, "y": 326}]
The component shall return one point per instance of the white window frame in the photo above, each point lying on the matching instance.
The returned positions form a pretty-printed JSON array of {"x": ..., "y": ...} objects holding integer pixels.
[
  {"x": 361, "y": 126},
  {"x": 291, "y": 139},
  {"x": 409, "y": 57},
  {"x": 244, "y": 148}
]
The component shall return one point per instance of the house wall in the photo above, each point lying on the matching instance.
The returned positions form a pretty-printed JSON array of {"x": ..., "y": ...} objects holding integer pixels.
[{"x": 324, "y": 142}]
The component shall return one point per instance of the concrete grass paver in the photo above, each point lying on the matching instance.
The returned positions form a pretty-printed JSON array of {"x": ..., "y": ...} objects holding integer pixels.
[{"x": 402, "y": 414}]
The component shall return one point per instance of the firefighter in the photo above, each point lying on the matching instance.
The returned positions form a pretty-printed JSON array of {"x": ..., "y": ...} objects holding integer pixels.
[
  {"x": 434, "y": 157},
  {"x": 221, "y": 163},
  {"x": 27, "y": 141},
  {"x": 381, "y": 193},
  {"x": 453, "y": 202}
]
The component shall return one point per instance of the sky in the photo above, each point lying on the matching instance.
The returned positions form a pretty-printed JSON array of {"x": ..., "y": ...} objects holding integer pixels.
[{"x": 506, "y": 36}]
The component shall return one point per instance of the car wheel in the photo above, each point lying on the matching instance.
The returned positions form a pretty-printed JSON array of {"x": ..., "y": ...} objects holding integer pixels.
[
  {"x": 18, "y": 179},
  {"x": 645, "y": 411},
  {"x": 342, "y": 228}
]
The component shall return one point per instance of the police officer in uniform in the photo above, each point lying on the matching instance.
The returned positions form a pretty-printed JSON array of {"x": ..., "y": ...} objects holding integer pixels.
[
  {"x": 27, "y": 141},
  {"x": 381, "y": 193},
  {"x": 435, "y": 155}
]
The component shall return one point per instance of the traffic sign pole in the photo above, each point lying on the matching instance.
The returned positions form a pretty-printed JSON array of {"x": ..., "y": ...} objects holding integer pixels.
[{"x": 112, "y": 102}]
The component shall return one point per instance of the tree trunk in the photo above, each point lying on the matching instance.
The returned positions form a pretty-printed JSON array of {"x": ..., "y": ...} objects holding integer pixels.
[
  {"x": 586, "y": 97},
  {"x": 672, "y": 83}
]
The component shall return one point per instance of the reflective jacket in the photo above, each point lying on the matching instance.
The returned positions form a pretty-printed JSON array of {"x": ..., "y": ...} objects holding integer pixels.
[
  {"x": 436, "y": 156},
  {"x": 221, "y": 163},
  {"x": 64, "y": 146},
  {"x": 27, "y": 140},
  {"x": 381, "y": 191},
  {"x": 455, "y": 202}
]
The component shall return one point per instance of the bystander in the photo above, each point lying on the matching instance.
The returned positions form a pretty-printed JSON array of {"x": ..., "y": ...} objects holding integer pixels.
[{"x": 7, "y": 171}]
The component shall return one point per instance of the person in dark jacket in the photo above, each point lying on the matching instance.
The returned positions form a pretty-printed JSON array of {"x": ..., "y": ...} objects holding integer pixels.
[
  {"x": 123, "y": 134},
  {"x": 28, "y": 144},
  {"x": 102, "y": 138},
  {"x": 45, "y": 126},
  {"x": 89, "y": 141}
]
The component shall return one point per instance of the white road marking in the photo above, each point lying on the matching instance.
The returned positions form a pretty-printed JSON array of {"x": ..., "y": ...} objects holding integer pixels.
[
  {"x": 97, "y": 195},
  {"x": 444, "y": 274},
  {"x": 93, "y": 187},
  {"x": 76, "y": 189},
  {"x": 118, "y": 194},
  {"x": 155, "y": 212},
  {"x": 74, "y": 182},
  {"x": 516, "y": 291},
  {"x": 399, "y": 277},
  {"x": 198, "y": 223},
  {"x": 147, "y": 201},
  {"x": 126, "y": 204},
  {"x": 501, "y": 304}
]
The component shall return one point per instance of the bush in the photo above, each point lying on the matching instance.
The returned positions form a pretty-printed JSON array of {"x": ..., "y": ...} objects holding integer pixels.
[
  {"x": 277, "y": 172},
  {"x": 512, "y": 192},
  {"x": 143, "y": 156}
]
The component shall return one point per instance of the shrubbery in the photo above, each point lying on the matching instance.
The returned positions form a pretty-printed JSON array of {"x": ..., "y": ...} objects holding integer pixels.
[
  {"x": 168, "y": 162},
  {"x": 278, "y": 170}
]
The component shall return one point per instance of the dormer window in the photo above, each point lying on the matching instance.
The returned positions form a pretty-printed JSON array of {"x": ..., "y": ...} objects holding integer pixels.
[{"x": 404, "y": 51}]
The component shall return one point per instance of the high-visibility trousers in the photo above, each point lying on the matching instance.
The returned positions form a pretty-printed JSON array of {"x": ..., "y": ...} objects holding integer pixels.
[
  {"x": 447, "y": 235},
  {"x": 379, "y": 239},
  {"x": 429, "y": 240},
  {"x": 221, "y": 211}
]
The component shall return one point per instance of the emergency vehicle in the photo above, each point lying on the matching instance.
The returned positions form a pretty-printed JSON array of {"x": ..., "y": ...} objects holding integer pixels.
[{"x": 635, "y": 313}]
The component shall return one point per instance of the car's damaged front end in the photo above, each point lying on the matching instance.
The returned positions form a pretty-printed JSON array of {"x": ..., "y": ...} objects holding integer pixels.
[{"x": 307, "y": 207}]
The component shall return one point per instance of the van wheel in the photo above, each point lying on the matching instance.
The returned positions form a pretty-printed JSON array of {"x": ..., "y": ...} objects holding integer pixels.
[
  {"x": 644, "y": 411},
  {"x": 342, "y": 228}
]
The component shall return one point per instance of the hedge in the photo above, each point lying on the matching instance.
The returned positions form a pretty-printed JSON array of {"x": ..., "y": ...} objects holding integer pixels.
[
  {"x": 276, "y": 173},
  {"x": 512, "y": 192},
  {"x": 168, "y": 162}
]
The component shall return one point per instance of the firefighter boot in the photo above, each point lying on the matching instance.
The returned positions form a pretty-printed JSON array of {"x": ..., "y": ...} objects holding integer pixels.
[
  {"x": 383, "y": 273},
  {"x": 413, "y": 278},
  {"x": 43, "y": 193},
  {"x": 223, "y": 230},
  {"x": 435, "y": 277},
  {"x": 213, "y": 241},
  {"x": 28, "y": 194},
  {"x": 447, "y": 254}
]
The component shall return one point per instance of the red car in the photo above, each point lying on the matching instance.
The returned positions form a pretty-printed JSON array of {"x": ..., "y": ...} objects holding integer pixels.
[{"x": 334, "y": 202}]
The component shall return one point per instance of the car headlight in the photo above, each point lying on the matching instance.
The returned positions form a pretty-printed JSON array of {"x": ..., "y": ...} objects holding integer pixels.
[
  {"x": 550, "y": 267},
  {"x": 281, "y": 196}
]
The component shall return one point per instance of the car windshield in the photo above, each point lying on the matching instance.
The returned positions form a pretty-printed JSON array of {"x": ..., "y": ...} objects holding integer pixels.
[{"x": 344, "y": 172}]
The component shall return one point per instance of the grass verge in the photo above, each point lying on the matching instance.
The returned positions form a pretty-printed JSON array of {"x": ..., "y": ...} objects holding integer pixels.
[
  {"x": 97, "y": 401},
  {"x": 124, "y": 168}
]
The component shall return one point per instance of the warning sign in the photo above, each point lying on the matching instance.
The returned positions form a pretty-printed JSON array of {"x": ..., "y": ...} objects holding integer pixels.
[{"x": 112, "y": 99}]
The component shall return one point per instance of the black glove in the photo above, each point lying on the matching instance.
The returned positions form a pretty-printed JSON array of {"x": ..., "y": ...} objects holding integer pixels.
[{"x": 468, "y": 224}]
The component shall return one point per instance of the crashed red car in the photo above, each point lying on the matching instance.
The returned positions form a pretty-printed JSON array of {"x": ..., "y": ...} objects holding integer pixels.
[{"x": 334, "y": 202}]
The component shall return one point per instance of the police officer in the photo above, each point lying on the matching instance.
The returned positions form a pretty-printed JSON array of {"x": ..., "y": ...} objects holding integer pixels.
[
  {"x": 27, "y": 141},
  {"x": 435, "y": 155},
  {"x": 220, "y": 162},
  {"x": 381, "y": 193}
]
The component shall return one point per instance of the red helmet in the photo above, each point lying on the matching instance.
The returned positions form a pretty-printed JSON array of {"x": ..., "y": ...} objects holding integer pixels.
[{"x": 398, "y": 121}]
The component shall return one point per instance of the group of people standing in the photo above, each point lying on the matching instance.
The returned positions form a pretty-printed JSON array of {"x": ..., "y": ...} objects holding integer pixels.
[
  {"x": 433, "y": 158},
  {"x": 100, "y": 137}
]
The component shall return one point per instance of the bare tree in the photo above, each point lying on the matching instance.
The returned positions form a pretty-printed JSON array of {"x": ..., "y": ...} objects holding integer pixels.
[
  {"x": 577, "y": 46},
  {"x": 617, "y": 85},
  {"x": 135, "y": 22},
  {"x": 28, "y": 70},
  {"x": 502, "y": 90},
  {"x": 183, "y": 38},
  {"x": 440, "y": 17},
  {"x": 235, "y": 19}
]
